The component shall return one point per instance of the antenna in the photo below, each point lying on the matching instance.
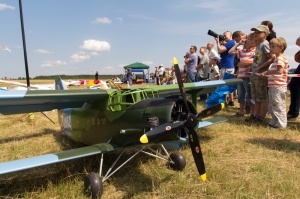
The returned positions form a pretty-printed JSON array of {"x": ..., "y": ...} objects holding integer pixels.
[{"x": 24, "y": 44}]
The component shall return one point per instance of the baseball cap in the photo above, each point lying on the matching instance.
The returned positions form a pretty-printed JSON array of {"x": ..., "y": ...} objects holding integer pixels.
[
  {"x": 161, "y": 65},
  {"x": 261, "y": 28}
]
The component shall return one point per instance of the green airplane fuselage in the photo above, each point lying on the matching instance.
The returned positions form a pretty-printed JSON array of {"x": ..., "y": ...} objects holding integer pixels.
[{"x": 121, "y": 118}]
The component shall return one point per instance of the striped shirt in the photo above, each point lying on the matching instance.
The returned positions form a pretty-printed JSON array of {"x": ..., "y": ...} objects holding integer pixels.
[
  {"x": 246, "y": 58},
  {"x": 277, "y": 81}
]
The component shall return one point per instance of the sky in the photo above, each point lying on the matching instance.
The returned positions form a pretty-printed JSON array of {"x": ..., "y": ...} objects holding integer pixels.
[{"x": 81, "y": 37}]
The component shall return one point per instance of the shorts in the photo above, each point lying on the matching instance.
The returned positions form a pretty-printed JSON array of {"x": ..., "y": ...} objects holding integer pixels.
[
  {"x": 259, "y": 88},
  {"x": 226, "y": 70}
]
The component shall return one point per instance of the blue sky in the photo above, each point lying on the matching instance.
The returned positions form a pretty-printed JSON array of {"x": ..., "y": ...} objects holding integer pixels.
[{"x": 81, "y": 37}]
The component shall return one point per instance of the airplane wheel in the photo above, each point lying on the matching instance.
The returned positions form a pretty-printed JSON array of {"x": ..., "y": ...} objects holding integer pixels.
[
  {"x": 179, "y": 161},
  {"x": 93, "y": 185}
]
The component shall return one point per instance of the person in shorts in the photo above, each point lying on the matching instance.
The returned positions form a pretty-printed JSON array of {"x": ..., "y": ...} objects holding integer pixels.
[{"x": 262, "y": 60}]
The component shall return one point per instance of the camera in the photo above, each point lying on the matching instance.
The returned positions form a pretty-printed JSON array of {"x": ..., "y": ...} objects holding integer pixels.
[
  {"x": 187, "y": 55},
  {"x": 212, "y": 33}
]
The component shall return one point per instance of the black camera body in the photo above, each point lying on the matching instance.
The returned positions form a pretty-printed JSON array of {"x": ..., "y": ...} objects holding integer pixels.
[{"x": 212, "y": 33}]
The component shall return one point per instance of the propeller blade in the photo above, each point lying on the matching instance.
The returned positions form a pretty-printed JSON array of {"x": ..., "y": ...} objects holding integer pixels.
[
  {"x": 180, "y": 84},
  {"x": 210, "y": 111},
  {"x": 156, "y": 133},
  {"x": 190, "y": 124},
  {"x": 197, "y": 153}
]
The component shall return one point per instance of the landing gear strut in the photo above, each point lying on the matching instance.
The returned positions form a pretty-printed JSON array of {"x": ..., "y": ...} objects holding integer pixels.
[{"x": 93, "y": 182}]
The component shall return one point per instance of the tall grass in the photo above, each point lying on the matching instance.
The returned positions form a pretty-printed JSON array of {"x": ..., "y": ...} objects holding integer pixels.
[{"x": 242, "y": 161}]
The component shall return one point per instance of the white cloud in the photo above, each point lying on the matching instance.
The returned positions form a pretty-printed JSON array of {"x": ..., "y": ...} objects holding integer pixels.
[
  {"x": 103, "y": 20},
  {"x": 95, "y": 45},
  {"x": 53, "y": 63},
  {"x": 81, "y": 56},
  {"x": 4, "y": 6},
  {"x": 94, "y": 54},
  {"x": 42, "y": 51}
]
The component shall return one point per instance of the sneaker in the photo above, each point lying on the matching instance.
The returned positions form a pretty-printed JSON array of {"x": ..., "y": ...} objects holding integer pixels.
[
  {"x": 251, "y": 118},
  {"x": 230, "y": 103}
]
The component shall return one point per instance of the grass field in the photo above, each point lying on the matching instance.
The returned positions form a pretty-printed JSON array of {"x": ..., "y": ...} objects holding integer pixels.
[{"x": 242, "y": 161}]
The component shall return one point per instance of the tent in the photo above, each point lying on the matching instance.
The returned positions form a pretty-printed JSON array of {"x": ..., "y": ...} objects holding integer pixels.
[{"x": 136, "y": 66}]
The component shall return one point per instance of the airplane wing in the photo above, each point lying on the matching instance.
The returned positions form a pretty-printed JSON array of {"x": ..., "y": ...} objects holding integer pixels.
[
  {"x": 25, "y": 101},
  {"x": 27, "y": 163},
  {"x": 195, "y": 88}
]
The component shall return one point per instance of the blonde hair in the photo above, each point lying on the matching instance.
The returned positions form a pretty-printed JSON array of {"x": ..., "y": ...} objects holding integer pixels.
[{"x": 280, "y": 42}]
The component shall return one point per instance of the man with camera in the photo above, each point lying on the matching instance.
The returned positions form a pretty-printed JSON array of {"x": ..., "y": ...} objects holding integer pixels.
[
  {"x": 227, "y": 60},
  {"x": 191, "y": 63}
]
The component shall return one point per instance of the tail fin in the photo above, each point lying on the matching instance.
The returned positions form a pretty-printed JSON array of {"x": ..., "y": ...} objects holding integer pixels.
[{"x": 60, "y": 84}]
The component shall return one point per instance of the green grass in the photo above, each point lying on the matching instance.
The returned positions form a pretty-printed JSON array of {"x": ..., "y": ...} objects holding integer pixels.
[{"x": 242, "y": 161}]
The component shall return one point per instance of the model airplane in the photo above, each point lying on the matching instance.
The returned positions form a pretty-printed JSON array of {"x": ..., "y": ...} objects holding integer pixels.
[
  {"x": 76, "y": 82},
  {"x": 22, "y": 86},
  {"x": 111, "y": 119}
]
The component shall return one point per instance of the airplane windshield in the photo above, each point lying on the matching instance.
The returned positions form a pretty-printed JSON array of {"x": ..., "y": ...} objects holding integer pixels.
[{"x": 122, "y": 99}]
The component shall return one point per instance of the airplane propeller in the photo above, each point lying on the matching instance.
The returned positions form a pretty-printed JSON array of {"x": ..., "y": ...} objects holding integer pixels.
[{"x": 189, "y": 122}]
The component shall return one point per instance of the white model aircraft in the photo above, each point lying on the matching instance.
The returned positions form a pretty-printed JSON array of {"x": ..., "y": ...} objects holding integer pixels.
[
  {"x": 75, "y": 82},
  {"x": 22, "y": 86}
]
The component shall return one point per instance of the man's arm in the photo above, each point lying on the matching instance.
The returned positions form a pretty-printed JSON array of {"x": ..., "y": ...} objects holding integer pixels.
[
  {"x": 221, "y": 48},
  {"x": 270, "y": 60}
]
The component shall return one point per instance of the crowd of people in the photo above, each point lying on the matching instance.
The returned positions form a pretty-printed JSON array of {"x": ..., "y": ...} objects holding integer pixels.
[{"x": 258, "y": 59}]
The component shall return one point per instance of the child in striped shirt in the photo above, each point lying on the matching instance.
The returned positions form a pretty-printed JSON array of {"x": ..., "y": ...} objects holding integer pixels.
[
  {"x": 245, "y": 55},
  {"x": 277, "y": 83}
]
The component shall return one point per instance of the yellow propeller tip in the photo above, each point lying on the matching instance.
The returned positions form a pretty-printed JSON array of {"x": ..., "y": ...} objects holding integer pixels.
[
  {"x": 203, "y": 177},
  {"x": 222, "y": 105},
  {"x": 175, "y": 61},
  {"x": 144, "y": 139}
]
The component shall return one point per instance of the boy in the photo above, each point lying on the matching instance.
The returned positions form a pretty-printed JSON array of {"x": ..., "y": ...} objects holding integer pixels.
[
  {"x": 245, "y": 56},
  {"x": 262, "y": 60},
  {"x": 214, "y": 73},
  {"x": 277, "y": 83}
]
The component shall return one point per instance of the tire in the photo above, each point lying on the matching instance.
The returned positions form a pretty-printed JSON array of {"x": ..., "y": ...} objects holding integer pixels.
[
  {"x": 93, "y": 185},
  {"x": 177, "y": 161}
]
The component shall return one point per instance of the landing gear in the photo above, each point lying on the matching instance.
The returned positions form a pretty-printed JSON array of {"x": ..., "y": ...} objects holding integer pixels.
[
  {"x": 93, "y": 185},
  {"x": 93, "y": 182},
  {"x": 177, "y": 161}
]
